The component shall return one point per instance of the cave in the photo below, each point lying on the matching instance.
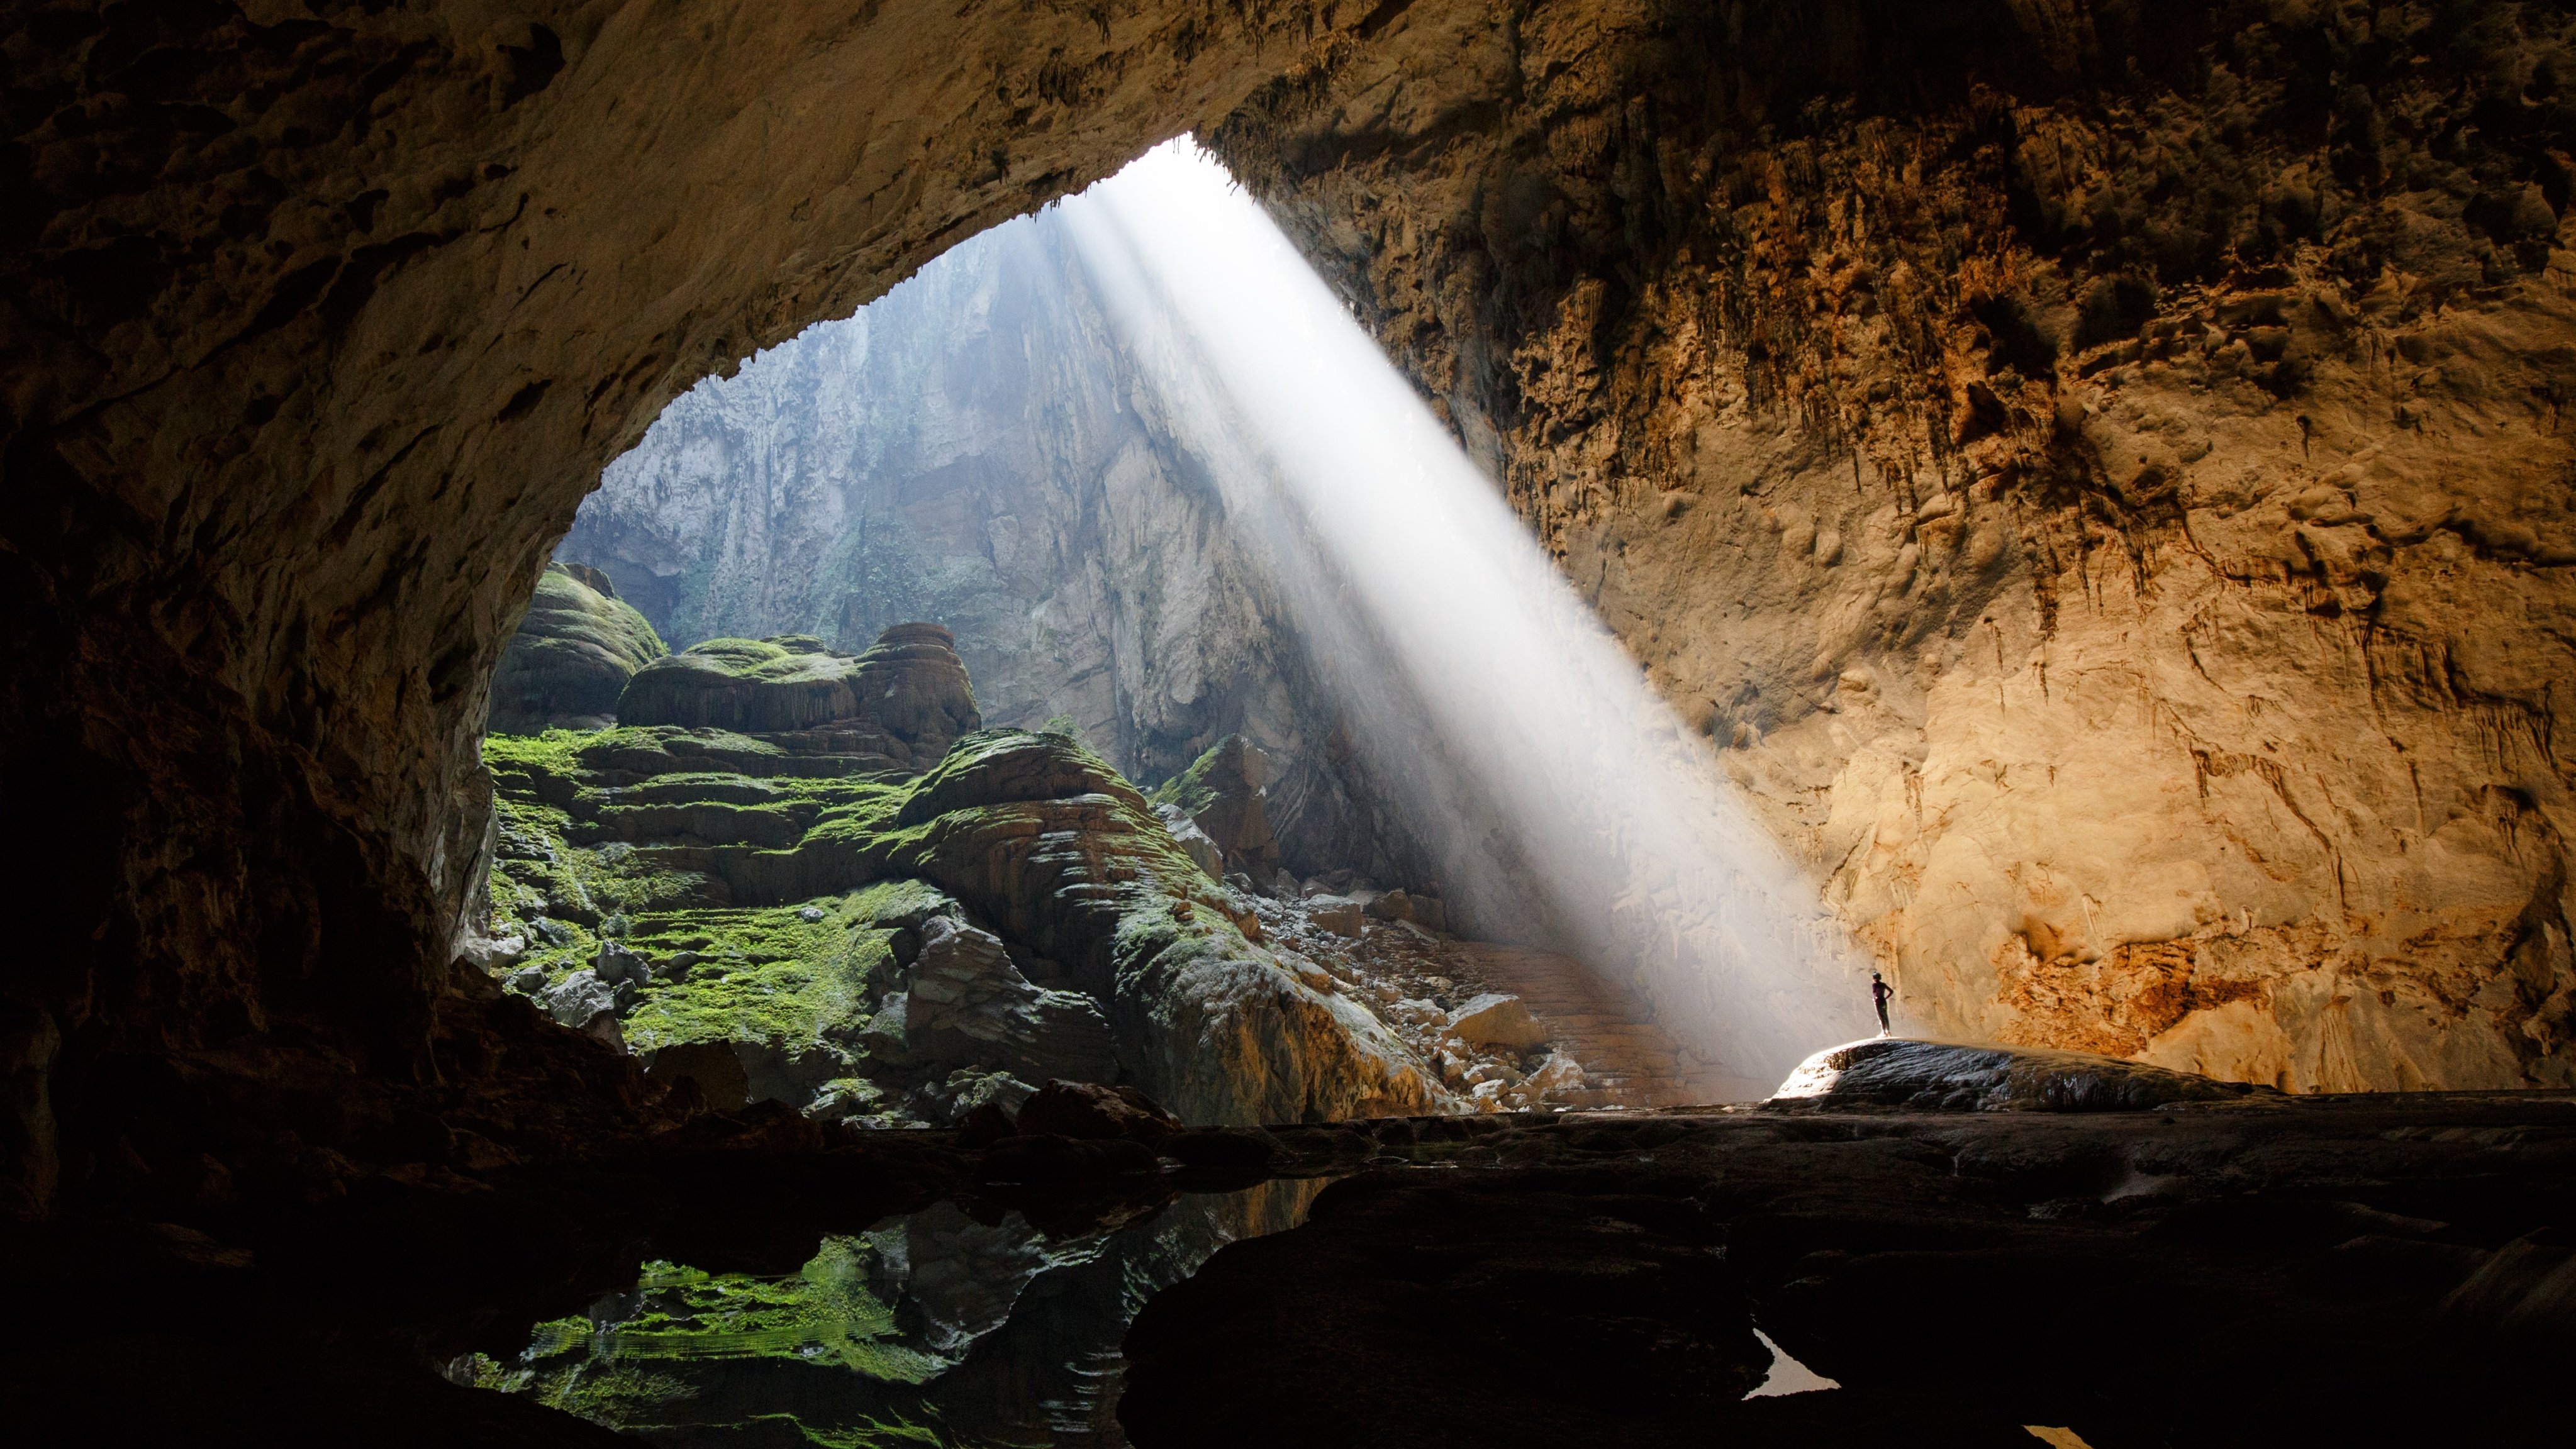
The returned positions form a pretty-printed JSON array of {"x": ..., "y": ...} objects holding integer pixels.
[{"x": 2084, "y": 478}]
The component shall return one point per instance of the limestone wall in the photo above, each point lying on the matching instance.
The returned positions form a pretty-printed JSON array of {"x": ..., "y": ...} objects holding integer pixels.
[{"x": 2097, "y": 470}]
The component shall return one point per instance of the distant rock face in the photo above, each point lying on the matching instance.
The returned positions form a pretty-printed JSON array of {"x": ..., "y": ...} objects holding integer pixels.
[
  {"x": 977, "y": 447},
  {"x": 572, "y": 656}
]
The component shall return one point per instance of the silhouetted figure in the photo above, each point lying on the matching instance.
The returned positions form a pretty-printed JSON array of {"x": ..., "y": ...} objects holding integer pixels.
[{"x": 1879, "y": 991}]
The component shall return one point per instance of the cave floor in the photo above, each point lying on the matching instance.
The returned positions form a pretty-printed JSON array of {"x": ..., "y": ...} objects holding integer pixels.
[{"x": 2356, "y": 1270}]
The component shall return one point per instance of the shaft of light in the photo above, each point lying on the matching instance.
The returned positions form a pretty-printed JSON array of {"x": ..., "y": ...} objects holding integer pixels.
[{"x": 1562, "y": 796}]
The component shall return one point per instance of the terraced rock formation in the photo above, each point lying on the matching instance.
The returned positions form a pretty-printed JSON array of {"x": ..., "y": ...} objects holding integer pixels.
[
  {"x": 570, "y": 660},
  {"x": 851, "y": 908}
]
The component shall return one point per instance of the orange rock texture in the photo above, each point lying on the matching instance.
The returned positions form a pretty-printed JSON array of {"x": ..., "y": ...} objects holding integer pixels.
[{"x": 2096, "y": 469}]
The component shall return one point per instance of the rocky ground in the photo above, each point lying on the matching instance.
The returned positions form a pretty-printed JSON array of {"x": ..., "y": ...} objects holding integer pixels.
[
  {"x": 2356, "y": 1270},
  {"x": 2245, "y": 1269}
]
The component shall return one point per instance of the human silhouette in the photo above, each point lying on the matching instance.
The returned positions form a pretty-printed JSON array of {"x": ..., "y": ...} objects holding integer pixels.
[{"x": 1879, "y": 991}]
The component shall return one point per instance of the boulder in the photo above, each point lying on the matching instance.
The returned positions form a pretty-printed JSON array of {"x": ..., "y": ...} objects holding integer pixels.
[
  {"x": 579, "y": 999},
  {"x": 572, "y": 656},
  {"x": 1496, "y": 1020},
  {"x": 1952, "y": 1076},
  {"x": 913, "y": 686},
  {"x": 1194, "y": 842},
  {"x": 1338, "y": 914},
  {"x": 1086, "y": 1111},
  {"x": 1224, "y": 792},
  {"x": 970, "y": 1005}
]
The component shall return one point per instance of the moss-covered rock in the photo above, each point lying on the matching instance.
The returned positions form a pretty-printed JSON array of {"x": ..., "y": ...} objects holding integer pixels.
[
  {"x": 906, "y": 698},
  {"x": 1224, "y": 794},
  {"x": 572, "y": 657},
  {"x": 789, "y": 922},
  {"x": 792, "y": 682}
]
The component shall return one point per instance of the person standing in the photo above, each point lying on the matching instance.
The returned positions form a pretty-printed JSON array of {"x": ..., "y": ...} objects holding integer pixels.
[{"x": 1879, "y": 991}]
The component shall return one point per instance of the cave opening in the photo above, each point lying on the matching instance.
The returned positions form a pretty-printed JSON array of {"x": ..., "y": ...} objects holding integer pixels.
[{"x": 2094, "y": 474}]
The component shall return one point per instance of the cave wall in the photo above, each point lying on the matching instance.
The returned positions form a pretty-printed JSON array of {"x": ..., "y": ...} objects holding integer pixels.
[
  {"x": 317, "y": 320},
  {"x": 2096, "y": 467}
]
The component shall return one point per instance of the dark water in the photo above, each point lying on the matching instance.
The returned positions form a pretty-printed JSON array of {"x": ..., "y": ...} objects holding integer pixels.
[{"x": 933, "y": 1329}]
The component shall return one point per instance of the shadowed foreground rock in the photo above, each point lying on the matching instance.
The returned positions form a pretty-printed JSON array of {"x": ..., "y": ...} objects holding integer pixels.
[{"x": 2350, "y": 1271}]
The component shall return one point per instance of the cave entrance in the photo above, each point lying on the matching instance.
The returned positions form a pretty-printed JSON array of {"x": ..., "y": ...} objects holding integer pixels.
[{"x": 1127, "y": 475}]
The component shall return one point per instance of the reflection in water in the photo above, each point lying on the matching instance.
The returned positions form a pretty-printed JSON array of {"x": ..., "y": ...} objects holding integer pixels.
[
  {"x": 1787, "y": 1375},
  {"x": 936, "y": 1329}
]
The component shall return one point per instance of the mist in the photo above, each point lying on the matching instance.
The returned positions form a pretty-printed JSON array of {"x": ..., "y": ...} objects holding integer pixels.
[{"x": 1563, "y": 800}]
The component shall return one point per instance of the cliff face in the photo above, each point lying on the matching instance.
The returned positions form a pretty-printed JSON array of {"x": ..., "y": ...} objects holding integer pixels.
[
  {"x": 2099, "y": 467},
  {"x": 976, "y": 447}
]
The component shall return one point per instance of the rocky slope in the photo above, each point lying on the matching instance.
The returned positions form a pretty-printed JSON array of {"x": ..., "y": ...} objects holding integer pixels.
[
  {"x": 2097, "y": 469},
  {"x": 795, "y": 875},
  {"x": 976, "y": 447},
  {"x": 572, "y": 655}
]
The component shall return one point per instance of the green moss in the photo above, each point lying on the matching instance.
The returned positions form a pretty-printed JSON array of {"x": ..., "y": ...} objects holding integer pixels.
[
  {"x": 869, "y": 1432},
  {"x": 782, "y": 659},
  {"x": 1190, "y": 789},
  {"x": 768, "y": 975},
  {"x": 613, "y": 1394},
  {"x": 824, "y": 1311}
]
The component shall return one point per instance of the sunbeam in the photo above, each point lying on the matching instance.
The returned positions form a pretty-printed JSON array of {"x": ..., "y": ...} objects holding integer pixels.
[{"x": 1563, "y": 798}]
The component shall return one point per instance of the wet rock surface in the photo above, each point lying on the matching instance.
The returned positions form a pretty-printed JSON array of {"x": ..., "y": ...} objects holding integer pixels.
[{"x": 2291, "y": 1270}]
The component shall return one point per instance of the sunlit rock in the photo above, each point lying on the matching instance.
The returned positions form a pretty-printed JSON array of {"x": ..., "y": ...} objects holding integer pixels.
[
  {"x": 1894, "y": 1071},
  {"x": 1497, "y": 1020}
]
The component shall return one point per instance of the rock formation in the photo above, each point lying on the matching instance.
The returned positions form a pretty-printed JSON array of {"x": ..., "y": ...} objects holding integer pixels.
[
  {"x": 1224, "y": 792},
  {"x": 574, "y": 651},
  {"x": 2096, "y": 471},
  {"x": 1950, "y": 1077},
  {"x": 779, "y": 881},
  {"x": 977, "y": 446},
  {"x": 908, "y": 694}
]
